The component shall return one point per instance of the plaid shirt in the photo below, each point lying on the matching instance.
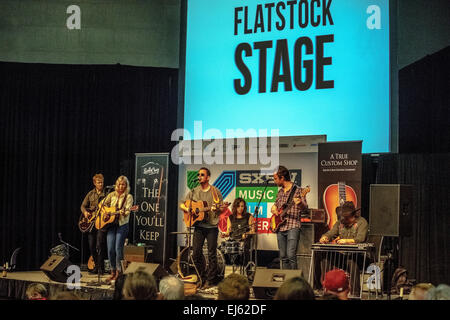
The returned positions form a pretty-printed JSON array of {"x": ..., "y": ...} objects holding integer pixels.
[{"x": 292, "y": 216}]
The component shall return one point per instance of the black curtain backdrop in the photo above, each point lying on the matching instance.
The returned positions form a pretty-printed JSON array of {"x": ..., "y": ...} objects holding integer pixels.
[
  {"x": 61, "y": 124},
  {"x": 426, "y": 254},
  {"x": 424, "y": 105},
  {"x": 423, "y": 161}
]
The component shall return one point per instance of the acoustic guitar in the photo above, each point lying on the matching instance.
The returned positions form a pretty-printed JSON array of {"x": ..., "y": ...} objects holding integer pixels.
[
  {"x": 107, "y": 215},
  {"x": 198, "y": 209},
  {"x": 91, "y": 263},
  {"x": 277, "y": 220},
  {"x": 334, "y": 196},
  {"x": 86, "y": 223}
]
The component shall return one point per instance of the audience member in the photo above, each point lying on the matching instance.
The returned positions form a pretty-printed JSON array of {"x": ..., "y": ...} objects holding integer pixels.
[
  {"x": 336, "y": 283},
  {"x": 140, "y": 285},
  {"x": 118, "y": 287},
  {"x": 65, "y": 295},
  {"x": 441, "y": 292},
  {"x": 171, "y": 288},
  {"x": 36, "y": 291},
  {"x": 295, "y": 288},
  {"x": 234, "y": 287},
  {"x": 419, "y": 291}
]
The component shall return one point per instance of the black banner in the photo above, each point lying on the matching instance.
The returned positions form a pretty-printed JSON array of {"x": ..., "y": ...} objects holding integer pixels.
[
  {"x": 151, "y": 196},
  {"x": 339, "y": 176}
]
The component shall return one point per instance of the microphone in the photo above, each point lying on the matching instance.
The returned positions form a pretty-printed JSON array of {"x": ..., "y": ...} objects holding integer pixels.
[{"x": 111, "y": 186}]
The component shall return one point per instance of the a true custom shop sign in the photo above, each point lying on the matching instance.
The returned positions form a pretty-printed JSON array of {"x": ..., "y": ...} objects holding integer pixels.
[
  {"x": 151, "y": 196},
  {"x": 339, "y": 176}
]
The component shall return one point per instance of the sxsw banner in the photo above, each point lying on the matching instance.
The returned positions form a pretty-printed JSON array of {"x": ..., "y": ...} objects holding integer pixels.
[
  {"x": 339, "y": 176},
  {"x": 151, "y": 196},
  {"x": 249, "y": 185}
]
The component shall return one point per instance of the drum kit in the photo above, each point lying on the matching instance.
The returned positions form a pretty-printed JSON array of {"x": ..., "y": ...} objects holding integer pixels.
[
  {"x": 185, "y": 260},
  {"x": 233, "y": 249}
]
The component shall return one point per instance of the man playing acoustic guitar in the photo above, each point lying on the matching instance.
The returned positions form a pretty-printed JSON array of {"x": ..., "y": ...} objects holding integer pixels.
[
  {"x": 206, "y": 228},
  {"x": 291, "y": 206},
  {"x": 88, "y": 207}
]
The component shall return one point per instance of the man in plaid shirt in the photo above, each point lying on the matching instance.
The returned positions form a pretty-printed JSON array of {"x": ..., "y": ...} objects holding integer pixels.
[{"x": 288, "y": 234}]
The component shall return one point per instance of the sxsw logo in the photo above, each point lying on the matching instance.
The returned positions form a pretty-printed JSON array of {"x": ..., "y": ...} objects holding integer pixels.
[{"x": 255, "y": 178}]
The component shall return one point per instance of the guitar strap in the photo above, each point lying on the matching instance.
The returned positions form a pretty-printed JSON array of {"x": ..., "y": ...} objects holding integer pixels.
[
  {"x": 291, "y": 195},
  {"x": 215, "y": 196}
]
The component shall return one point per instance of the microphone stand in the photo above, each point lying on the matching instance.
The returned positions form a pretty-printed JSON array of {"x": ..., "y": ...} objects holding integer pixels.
[{"x": 256, "y": 222}]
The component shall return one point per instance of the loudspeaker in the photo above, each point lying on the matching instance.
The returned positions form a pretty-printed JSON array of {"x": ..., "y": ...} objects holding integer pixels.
[
  {"x": 154, "y": 269},
  {"x": 390, "y": 210},
  {"x": 306, "y": 238},
  {"x": 267, "y": 281},
  {"x": 55, "y": 268}
]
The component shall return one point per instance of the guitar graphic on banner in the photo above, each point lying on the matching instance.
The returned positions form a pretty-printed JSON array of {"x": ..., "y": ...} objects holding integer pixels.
[{"x": 334, "y": 196}]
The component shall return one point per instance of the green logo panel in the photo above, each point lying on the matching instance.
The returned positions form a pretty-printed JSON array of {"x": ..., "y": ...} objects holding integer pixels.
[{"x": 253, "y": 194}]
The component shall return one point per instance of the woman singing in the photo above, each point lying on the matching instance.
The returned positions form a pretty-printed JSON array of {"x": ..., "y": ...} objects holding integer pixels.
[{"x": 118, "y": 231}]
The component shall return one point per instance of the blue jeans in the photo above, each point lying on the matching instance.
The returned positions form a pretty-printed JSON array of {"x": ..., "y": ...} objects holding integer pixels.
[
  {"x": 115, "y": 240},
  {"x": 287, "y": 243}
]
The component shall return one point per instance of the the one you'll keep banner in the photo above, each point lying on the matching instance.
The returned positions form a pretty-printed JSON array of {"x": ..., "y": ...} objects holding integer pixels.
[
  {"x": 305, "y": 67},
  {"x": 151, "y": 196}
]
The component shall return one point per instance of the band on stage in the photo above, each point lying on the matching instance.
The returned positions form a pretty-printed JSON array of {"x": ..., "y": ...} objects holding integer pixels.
[{"x": 105, "y": 219}]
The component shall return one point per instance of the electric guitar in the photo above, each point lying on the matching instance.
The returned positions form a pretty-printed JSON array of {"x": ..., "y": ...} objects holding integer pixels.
[
  {"x": 198, "y": 209},
  {"x": 277, "y": 220},
  {"x": 107, "y": 215},
  {"x": 85, "y": 223},
  {"x": 334, "y": 196}
]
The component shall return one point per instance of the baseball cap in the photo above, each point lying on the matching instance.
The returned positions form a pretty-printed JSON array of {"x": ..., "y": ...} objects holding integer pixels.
[{"x": 336, "y": 280}]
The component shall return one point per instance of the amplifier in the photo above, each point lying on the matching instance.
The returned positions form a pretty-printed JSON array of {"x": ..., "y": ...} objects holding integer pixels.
[
  {"x": 137, "y": 253},
  {"x": 314, "y": 216}
]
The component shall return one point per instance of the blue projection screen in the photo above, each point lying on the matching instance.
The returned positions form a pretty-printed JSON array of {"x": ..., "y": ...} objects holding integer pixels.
[{"x": 304, "y": 67}]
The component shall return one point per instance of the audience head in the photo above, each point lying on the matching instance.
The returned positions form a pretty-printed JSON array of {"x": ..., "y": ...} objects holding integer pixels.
[
  {"x": 295, "y": 288},
  {"x": 419, "y": 291},
  {"x": 336, "y": 282},
  {"x": 234, "y": 287},
  {"x": 171, "y": 288},
  {"x": 65, "y": 295},
  {"x": 36, "y": 291},
  {"x": 140, "y": 285},
  {"x": 118, "y": 287},
  {"x": 441, "y": 292}
]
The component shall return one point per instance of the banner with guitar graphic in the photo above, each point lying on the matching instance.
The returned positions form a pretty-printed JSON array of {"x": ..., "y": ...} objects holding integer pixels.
[
  {"x": 150, "y": 195},
  {"x": 339, "y": 176}
]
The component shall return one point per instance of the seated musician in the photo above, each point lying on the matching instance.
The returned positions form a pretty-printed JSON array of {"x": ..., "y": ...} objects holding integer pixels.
[
  {"x": 240, "y": 227},
  {"x": 350, "y": 228}
]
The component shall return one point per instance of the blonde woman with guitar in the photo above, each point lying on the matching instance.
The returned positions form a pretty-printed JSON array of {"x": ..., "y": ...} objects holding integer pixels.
[{"x": 122, "y": 201}]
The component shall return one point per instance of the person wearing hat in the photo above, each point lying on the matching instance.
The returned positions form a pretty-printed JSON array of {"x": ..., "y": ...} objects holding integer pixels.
[
  {"x": 336, "y": 285},
  {"x": 351, "y": 228}
]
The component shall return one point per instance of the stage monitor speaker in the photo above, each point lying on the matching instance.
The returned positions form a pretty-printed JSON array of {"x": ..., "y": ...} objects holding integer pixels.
[
  {"x": 55, "y": 268},
  {"x": 267, "y": 281},
  {"x": 154, "y": 269},
  {"x": 390, "y": 210}
]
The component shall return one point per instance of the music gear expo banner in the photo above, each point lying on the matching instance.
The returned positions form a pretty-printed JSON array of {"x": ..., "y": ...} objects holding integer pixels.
[
  {"x": 151, "y": 196},
  {"x": 339, "y": 176}
]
